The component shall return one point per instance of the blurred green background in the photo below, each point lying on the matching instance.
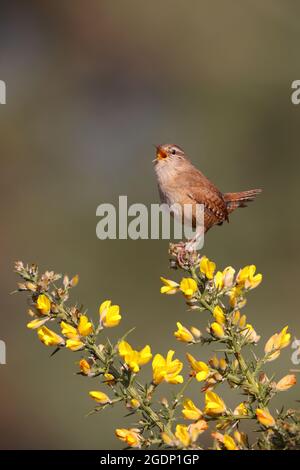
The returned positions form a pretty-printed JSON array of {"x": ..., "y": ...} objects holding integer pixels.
[{"x": 91, "y": 85}]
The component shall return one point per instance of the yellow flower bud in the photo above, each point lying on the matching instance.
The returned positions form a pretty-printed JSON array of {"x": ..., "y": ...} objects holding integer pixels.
[
  {"x": 229, "y": 443},
  {"x": 222, "y": 363},
  {"x": 286, "y": 382},
  {"x": 100, "y": 397},
  {"x": 195, "y": 332},
  {"x": 167, "y": 439},
  {"x": 236, "y": 317},
  {"x": 134, "y": 403},
  {"x": 108, "y": 378},
  {"x": 85, "y": 367},
  {"x": 242, "y": 321},
  {"x": 130, "y": 436},
  {"x": 74, "y": 344},
  {"x": 217, "y": 330},
  {"x": 214, "y": 362},
  {"x": 183, "y": 334},
  {"x": 265, "y": 418},
  {"x": 34, "y": 324},
  {"x": 43, "y": 304},
  {"x": 197, "y": 428},
  {"x": 228, "y": 275},
  {"x": 241, "y": 438},
  {"x": 218, "y": 280},
  {"x": 219, "y": 315}
]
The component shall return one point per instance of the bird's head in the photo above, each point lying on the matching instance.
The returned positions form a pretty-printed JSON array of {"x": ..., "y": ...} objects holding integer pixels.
[{"x": 167, "y": 152}]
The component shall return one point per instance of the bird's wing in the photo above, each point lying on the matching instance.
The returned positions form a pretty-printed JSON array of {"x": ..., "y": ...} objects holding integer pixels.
[{"x": 202, "y": 191}]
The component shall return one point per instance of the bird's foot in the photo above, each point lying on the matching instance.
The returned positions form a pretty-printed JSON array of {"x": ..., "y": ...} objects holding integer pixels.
[{"x": 183, "y": 255}]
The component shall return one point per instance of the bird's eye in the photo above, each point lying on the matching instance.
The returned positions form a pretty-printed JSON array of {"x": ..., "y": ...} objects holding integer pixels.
[{"x": 173, "y": 151}]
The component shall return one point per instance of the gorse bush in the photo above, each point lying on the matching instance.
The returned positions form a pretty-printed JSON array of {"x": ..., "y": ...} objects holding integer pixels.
[{"x": 176, "y": 422}]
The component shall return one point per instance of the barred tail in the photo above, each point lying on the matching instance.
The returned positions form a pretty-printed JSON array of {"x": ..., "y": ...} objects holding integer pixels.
[{"x": 235, "y": 200}]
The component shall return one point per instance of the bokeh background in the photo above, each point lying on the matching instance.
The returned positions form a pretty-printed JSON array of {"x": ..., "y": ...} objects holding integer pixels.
[{"x": 91, "y": 86}]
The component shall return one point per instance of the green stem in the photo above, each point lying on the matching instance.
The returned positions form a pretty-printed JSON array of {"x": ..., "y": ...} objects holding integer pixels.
[{"x": 134, "y": 394}]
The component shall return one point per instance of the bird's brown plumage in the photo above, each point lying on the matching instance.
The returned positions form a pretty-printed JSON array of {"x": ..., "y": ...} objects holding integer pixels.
[{"x": 180, "y": 182}]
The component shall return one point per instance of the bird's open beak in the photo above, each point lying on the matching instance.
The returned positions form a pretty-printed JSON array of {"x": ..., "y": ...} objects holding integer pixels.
[{"x": 160, "y": 153}]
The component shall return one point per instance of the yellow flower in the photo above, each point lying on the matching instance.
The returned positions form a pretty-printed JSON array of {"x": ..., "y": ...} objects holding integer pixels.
[
  {"x": 49, "y": 337},
  {"x": 190, "y": 411},
  {"x": 197, "y": 428},
  {"x": 100, "y": 397},
  {"x": 109, "y": 314},
  {"x": 207, "y": 267},
  {"x": 236, "y": 297},
  {"x": 167, "y": 439},
  {"x": 169, "y": 287},
  {"x": 167, "y": 370},
  {"x": 242, "y": 321},
  {"x": 183, "y": 435},
  {"x": 222, "y": 363},
  {"x": 43, "y": 304},
  {"x": 134, "y": 403},
  {"x": 36, "y": 323},
  {"x": 265, "y": 418},
  {"x": 109, "y": 378},
  {"x": 74, "y": 344},
  {"x": 195, "y": 332},
  {"x": 247, "y": 277},
  {"x": 219, "y": 315},
  {"x": 250, "y": 334},
  {"x": 188, "y": 286},
  {"x": 134, "y": 359},
  {"x": 277, "y": 342},
  {"x": 85, "y": 367},
  {"x": 183, "y": 334},
  {"x": 186, "y": 435},
  {"x": 286, "y": 382},
  {"x": 85, "y": 327},
  {"x": 229, "y": 443},
  {"x": 68, "y": 330},
  {"x": 214, "y": 405},
  {"x": 214, "y": 362},
  {"x": 235, "y": 317},
  {"x": 218, "y": 280},
  {"x": 241, "y": 410},
  {"x": 130, "y": 436},
  {"x": 241, "y": 438},
  {"x": 228, "y": 275},
  {"x": 200, "y": 369},
  {"x": 217, "y": 330}
]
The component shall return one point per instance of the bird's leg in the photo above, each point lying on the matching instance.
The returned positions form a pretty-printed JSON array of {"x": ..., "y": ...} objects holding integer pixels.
[
  {"x": 196, "y": 242},
  {"x": 184, "y": 257}
]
